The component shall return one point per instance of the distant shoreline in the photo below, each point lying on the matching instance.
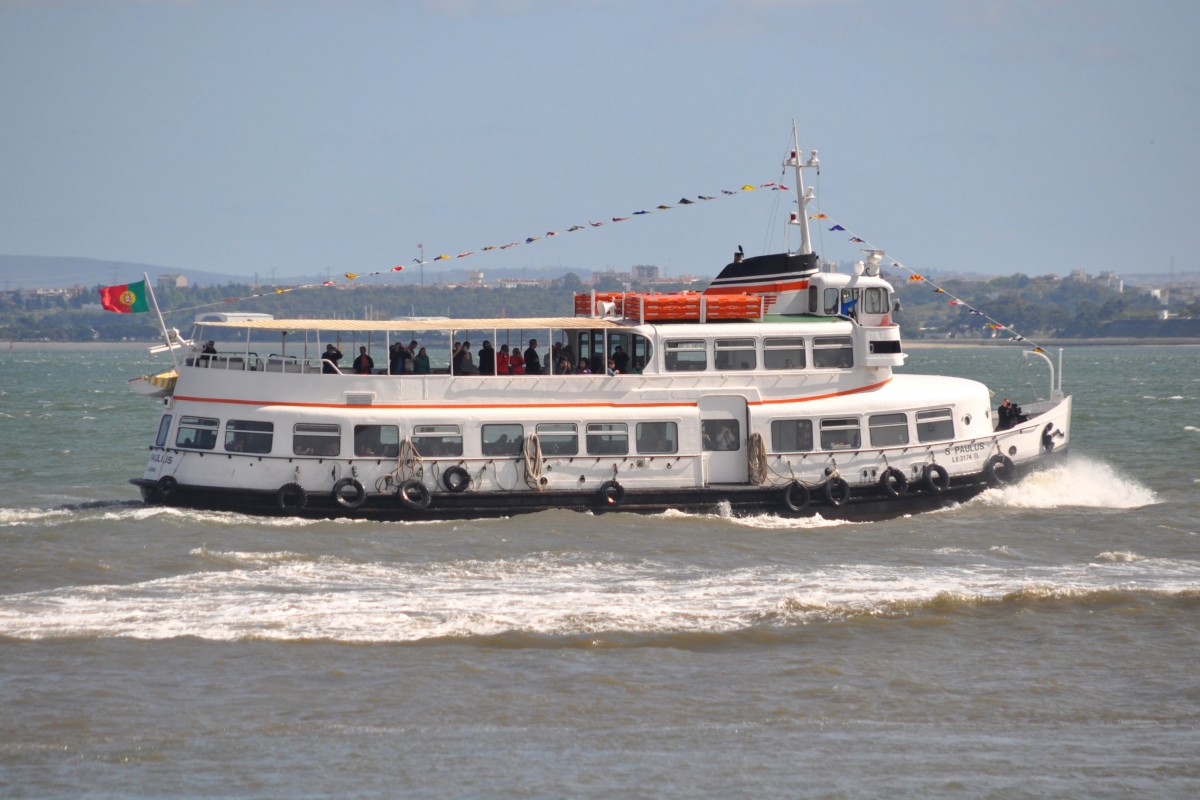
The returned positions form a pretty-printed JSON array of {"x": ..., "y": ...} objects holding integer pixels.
[{"x": 909, "y": 344}]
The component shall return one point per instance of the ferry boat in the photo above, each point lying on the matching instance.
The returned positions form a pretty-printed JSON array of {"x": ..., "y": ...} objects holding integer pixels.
[{"x": 775, "y": 390}]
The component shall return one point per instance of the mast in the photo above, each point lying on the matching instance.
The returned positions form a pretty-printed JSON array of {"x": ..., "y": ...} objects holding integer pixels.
[{"x": 803, "y": 196}]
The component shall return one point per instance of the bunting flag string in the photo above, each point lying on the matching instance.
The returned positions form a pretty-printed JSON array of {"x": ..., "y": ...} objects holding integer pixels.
[
  {"x": 353, "y": 276},
  {"x": 915, "y": 277}
]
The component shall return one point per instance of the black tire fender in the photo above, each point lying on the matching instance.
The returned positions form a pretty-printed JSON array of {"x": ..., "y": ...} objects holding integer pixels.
[
  {"x": 414, "y": 494},
  {"x": 837, "y": 491},
  {"x": 456, "y": 479},
  {"x": 935, "y": 478},
  {"x": 612, "y": 493},
  {"x": 796, "y": 496},
  {"x": 352, "y": 501},
  {"x": 999, "y": 470},
  {"x": 167, "y": 486},
  {"x": 291, "y": 497},
  {"x": 893, "y": 482}
]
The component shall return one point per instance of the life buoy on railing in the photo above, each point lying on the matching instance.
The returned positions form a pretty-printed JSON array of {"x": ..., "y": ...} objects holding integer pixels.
[
  {"x": 291, "y": 497},
  {"x": 796, "y": 496},
  {"x": 612, "y": 493},
  {"x": 999, "y": 470},
  {"x": 456, "y": 479},
  {"x": 353, "y": 500},
  {"x": 837, "y": 491},
  {"x": 893, "y": 482},
  {"x": 167, "y": 486},
  {"x": 414, "y": 494},
  {"x": 935, "y": 478}
]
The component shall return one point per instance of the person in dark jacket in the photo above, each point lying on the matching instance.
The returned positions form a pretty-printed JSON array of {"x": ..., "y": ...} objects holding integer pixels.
[
  {"x": 487, "y": 359},
  {"x": 533, "y": 362},
  {"x": 329, "y": 360},
  {"x": 364, "y": 363}
]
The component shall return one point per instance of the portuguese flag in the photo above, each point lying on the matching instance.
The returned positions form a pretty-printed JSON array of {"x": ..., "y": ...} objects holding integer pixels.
[{"x": 128, "y": 298}]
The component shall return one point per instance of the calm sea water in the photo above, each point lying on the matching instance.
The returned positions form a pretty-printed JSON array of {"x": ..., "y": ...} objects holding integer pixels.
[{"x": 1041, "y": 640}]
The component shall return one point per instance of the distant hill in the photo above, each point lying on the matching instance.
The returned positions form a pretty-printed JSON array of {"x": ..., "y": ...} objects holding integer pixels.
[{"x": 50, "y": 272}]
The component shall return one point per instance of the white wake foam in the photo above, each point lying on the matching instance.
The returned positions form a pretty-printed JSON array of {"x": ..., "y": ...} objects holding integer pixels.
[
  {"x": 1079, "y": 482},
  {"x": 288, "y": 596}
]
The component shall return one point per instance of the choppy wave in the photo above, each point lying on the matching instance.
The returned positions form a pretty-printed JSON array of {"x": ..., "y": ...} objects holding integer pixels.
[
  {"x": 286, "y": 596},
  {"x": 1079, "y": 482}
]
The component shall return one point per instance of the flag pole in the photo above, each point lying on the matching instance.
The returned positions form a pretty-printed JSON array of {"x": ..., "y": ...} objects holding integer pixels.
[{"x": 161, "y": 322}]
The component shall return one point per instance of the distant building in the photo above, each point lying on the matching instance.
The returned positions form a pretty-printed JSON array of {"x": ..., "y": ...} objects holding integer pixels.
[
  {"x": 475, "y": 277},
  {"x": 645, "y": 273},
  {"x": 172, "y": 282}
]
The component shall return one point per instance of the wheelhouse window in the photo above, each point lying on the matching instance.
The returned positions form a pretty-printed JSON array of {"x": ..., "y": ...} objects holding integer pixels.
[
  {"x": 840, "y": 434},
  {"x": 685, "y": 355},
  {"x": 875, "y": 300},
  {"x": 607, "y": 439},
  {"x": 657, "y": 437},
  {"x": 888, "y": 430},
  {"x": 438, "y": 441},
  {"x": 935, "y": 425},
  {"x": 783, "y": 352},
  {"x": 316, "y": 439},
  {"x": 833, "y": 352},
  {"x": 376, "y": 441},
  {"x": 832, "y": 302},
  {"x": 197, "y": 433},
  {"x": 734, "y": 354},
  {"x": 558, "y": 438},
  {"x": 792, "y": 435},
  {"x": 164, "y": 428},
  {"x": 249, "y": 436},
  {"x": 502, "y": 439},
  {"x": 721, "y": 434}
]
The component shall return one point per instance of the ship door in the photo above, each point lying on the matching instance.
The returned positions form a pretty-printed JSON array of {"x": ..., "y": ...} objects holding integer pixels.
[{"x": 723, "y": 439}]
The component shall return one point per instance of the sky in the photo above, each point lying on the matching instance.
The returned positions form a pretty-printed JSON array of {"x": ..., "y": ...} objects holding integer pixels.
[{"x": 279, "y": 138}]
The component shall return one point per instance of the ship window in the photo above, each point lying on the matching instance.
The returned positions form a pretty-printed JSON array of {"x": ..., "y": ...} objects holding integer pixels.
[
  {"x": 888, "y": 430},
  {"x": 164, "y": 427},
  {"x": 607, "y": 439},
  {"x": 314, "y": 439},
  {"x": 783, "y": 352},
  {"x": 502, "y": 439},
  {"x": 197, "y": 433},
  {"x": 685, "y": 355},
  {"x": 935, "y": 425},
  {"x": 378, "y": 441},
  {"x": 641, "y": 354},
  {"x": 875, "y": 300},
  {"x": 840, "y": 434},
  {"x": 248, "y": 436},
  {"x": 814, "y": 299},
  {"x": 558, "y": 438},
  {"x": 791, "y": 435},
  {"x": 734, "y": 354},
  {"x": 657, "y": 437},
  {"x": 833, "y": 352},
  {"x": 832, "y": 302},
  {"x": 438, "y": 441},
  {"x": 721, "y": 434}
]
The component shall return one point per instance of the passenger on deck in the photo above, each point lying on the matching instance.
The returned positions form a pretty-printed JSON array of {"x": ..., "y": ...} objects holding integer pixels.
[
  {"x": 583, "y": 369},
  {"x": 620, "y": 359},
  {"x": 210, "y": 348},
  {"x": 400, "y": 356},
  {"x": 487, "y": 359},
  {"x": 364, "y": 363},
  {"x": 421, "y": 362},
  {"x": 612, "y": 367},
  {"x": 329, "y": 360},
  {"x": 502, "y": 360},
  {"x": 533, "y": 362},
  {"x": 516, "y": 362},
  {"x": 1008, "y": 415}
]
